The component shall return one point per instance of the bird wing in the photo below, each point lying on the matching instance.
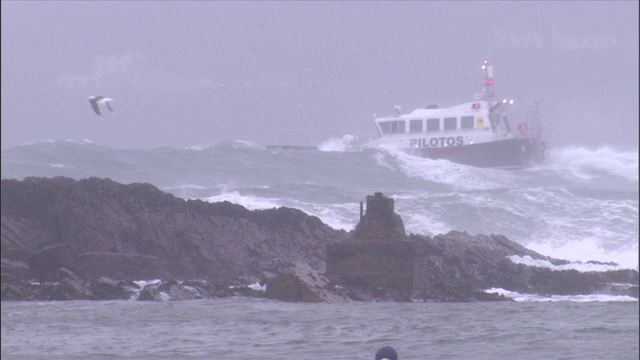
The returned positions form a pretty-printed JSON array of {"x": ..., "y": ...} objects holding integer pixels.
[
  {"x": 107, "y": 102},
  {"x": 94, "y": 106}
]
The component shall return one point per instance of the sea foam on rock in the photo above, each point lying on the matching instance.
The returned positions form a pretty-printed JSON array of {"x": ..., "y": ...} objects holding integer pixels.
[
  {"x": 452, "y": 267},
  {"x": 64, "y": 239}
]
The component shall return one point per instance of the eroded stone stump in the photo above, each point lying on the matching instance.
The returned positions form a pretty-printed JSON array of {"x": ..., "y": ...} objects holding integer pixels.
[{"x": 378, "y": 255}]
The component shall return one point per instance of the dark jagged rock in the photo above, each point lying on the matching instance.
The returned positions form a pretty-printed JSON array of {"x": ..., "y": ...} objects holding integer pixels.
[
  {"x": 46, "y": 262},
  {"x": 176, "y": 290},
  {"x": 455, "y": 267},
  {"x": 120, "y": 266},
  {"x": 97, "y": 227},
  {"x": 152, "y": 293},
  {"x": 16, "y": 269},
  {"x": 71, "y": 287},
  {"x": 301, "y": 283},
  {"x": 63, "y": 239},
  {"x": 68, "y": 287},
  {"x": 373, "y": 263},
  {"x": 109, "y": 289}
]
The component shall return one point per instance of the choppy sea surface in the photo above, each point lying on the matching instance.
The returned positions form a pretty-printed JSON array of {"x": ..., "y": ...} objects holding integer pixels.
[
  {"x": 581, "y": 205},
  {"x": 250, "y": 328}
]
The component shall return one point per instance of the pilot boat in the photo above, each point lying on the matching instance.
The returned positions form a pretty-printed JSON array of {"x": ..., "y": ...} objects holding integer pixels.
[{"x": 477, "y": 133}]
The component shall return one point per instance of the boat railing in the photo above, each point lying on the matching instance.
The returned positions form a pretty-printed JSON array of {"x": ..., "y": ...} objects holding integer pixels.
[{"x": 533, "y": 120}]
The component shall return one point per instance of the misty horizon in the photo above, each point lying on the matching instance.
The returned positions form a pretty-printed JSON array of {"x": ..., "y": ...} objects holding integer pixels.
[{"x": 295, "y": 73}]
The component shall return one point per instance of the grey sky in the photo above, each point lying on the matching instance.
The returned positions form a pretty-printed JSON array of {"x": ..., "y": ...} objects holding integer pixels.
[{"x": 196, "y": 73}]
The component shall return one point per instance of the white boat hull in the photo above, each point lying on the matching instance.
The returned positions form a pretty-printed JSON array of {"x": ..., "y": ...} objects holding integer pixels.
[{"x": 510, "y": 153}]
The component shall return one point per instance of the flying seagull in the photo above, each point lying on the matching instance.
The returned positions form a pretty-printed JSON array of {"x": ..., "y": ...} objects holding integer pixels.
[{"x": 96, "y": 100}]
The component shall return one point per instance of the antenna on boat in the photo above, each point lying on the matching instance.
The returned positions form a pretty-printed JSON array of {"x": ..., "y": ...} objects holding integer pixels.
[{"x": 487, "y": 82}]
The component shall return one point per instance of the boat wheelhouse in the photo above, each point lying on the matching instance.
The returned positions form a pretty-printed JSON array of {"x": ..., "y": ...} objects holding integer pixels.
[{"x": 477, "y": 133}]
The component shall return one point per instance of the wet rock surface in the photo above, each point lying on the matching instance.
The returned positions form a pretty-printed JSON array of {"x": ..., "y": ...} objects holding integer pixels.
[
  {"x": 99, "y": 228},
  {"x": 63, "y": 239}
]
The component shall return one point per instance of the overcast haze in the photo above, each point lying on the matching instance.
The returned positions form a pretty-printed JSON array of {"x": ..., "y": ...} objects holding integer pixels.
[{"x": 197, "y": 73}]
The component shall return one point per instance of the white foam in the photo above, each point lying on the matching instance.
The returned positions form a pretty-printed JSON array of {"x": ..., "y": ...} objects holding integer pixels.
[
  {"x": 197, "y": 147},
  {"x": 59, "y": 166},
  {"x": 554, "y": 298},
  {"x": 186, "y": 186},
  {"x": 580, "y": 228},
  {"x": 332, "y": 144},
  {"x": 582, "y": 164},
  {"x": 256, "y": 286},
  {"x": 248, "y": 202},
  {"x": 246, "y": 144},
  {"x": 337, "y": 216},
  {"x": 579, "y": 266},
  {"x": 143, "y": 283},
  {"x": 585, "y": 250},
  {"x": 345, "y": 143},
  {"x": 382, "y": 161},
  {"x": 235, "y": 144},
  {"x": 80, "y": 142},
  {"x": 446, "y": 172},
  {"x": 424, "y": 223}
]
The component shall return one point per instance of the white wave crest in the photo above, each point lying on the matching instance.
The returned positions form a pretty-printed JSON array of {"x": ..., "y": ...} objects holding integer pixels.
[
  {"x": 82, "y": 141},
  {"x": 579, "y": 266},
  {"x": 249, "y": 202},
  {"x": 332, "y": 144},
  {"x": 257, "y": 287},
  {"x": 244, "y": 144},
  {"x": 576, "y": 298},
  {"x": 198, "y": 147},
  {"x": 579, "y": 163},
  {"x": 461, "y": 177},
  {"x": 234, "y": 144},
  {"x": 588, "y": 249},
  {"x": 143, "y": 283},
  {"x": 345, "y": 143},
  {"x": 182, "y": 187}
]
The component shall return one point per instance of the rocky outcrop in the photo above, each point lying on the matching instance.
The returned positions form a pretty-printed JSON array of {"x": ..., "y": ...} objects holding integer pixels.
[
  {"x": 100, "y": 228},
  {"x": 63, "y": 239},
  {"x": 71, "y": 287},
  {"x": 301, "y": 283},
  {"x": 381, "y": 262}
]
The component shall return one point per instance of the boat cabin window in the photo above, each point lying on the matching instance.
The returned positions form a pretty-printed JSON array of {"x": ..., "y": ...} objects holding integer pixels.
[
  {"x": 415, "y": 126},
  {"x": 450, "y": 123},
  {"x": 466, "y": 122},
  {"x": 392, "y": 127},
  {"x": 433, "y": 124}
]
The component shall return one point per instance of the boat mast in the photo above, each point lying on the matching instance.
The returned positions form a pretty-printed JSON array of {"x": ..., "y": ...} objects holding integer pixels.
[{"x": 487, "y": 83}]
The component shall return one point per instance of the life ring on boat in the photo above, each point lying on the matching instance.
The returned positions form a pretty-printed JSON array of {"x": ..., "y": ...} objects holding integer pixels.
[{"x": 523, "y": 127}]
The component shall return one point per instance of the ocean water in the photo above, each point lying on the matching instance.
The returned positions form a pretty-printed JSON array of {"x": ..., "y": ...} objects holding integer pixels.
[
  {"x": 250, "y": 328},
  {"x": 581, "y": 205}
]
